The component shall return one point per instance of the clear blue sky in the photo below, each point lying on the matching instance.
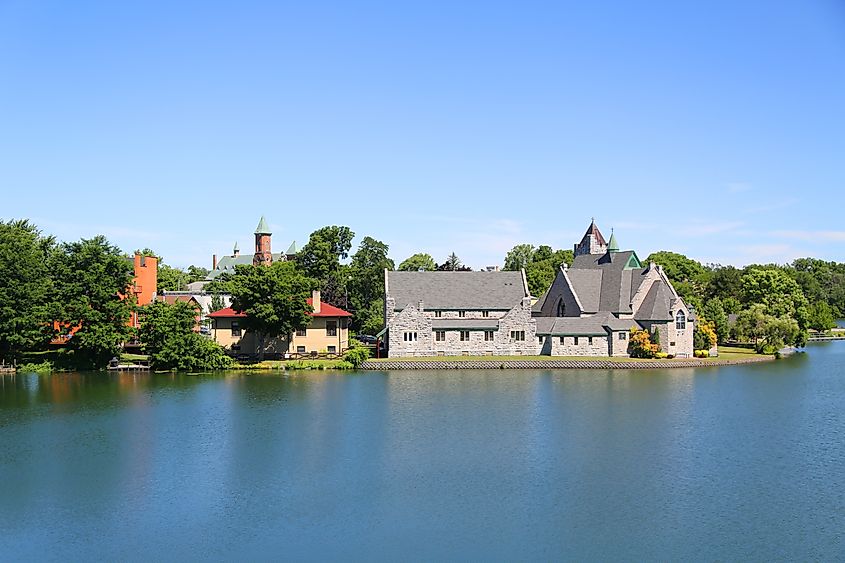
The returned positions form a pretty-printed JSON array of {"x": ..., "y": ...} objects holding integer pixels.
[{"x": 715, "y": 129}]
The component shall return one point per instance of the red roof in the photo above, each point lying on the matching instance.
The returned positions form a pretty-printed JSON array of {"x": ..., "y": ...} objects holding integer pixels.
[{"x": 326, "y": 310}]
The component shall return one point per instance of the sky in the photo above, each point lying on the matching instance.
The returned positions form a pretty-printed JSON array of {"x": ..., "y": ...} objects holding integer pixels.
[{"x": 714, "y": 129}]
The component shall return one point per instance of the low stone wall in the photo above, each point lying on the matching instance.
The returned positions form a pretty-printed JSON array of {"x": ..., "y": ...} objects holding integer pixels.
[{"x": 552, "y": 364}]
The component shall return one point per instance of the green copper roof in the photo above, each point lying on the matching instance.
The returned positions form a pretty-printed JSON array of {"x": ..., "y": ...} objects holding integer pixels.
[
  {"x": 292, "y": 249},
  {"x": 612, "y": 245},
  {"x": 262, "y": 228}
]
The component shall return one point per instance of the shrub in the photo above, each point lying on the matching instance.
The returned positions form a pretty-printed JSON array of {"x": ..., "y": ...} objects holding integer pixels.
[
  {"x": 640, "y": 344},
  {"x": 357, "y": 355},
  {"x": 661, "y": 355},
  {"x": 43, "y": 367}
]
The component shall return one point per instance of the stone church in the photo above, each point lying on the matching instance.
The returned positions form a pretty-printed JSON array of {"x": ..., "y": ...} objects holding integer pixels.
[{"x": 589, "y": 310}]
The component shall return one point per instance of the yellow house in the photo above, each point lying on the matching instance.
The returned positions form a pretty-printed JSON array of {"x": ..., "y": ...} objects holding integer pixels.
[{"x": 328, "y": 332}]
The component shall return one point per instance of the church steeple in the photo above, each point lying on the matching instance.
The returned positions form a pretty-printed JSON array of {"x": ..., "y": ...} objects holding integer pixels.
[
  {"x": 263, "y": 254},
  {"x": 592, "y": 242},
  {"x": 236, "y": 251}
]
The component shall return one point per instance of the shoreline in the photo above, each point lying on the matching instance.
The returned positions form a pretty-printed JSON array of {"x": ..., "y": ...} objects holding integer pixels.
[{"x": 422, "y": 364}]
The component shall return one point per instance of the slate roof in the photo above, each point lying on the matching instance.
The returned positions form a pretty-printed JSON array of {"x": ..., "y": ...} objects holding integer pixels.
[
  {"x": 603, "y": 283},
  {"x": 227, "y": 264},
  {"x": 476, "y": 291},
  {"x": 595, "y": 325},
  {"x": 657, "y": 303}
]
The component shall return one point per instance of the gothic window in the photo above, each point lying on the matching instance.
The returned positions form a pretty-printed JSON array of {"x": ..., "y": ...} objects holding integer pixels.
[
  {"x": 680, "y": 321},
  {"x": 561, "y": 308}
]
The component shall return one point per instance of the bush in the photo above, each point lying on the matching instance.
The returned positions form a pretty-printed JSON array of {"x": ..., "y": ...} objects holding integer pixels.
[
  {"x": 661, "y": 355},
  {"x": 42, "y": 367},
  {"x": 640, "y": 344},
  {"x": 357, "y": 355}
]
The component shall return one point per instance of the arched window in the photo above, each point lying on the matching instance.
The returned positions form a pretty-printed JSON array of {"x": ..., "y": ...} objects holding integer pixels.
[
  {"x": 680, "y": 321},
  {"x": 561, "y": 308}
]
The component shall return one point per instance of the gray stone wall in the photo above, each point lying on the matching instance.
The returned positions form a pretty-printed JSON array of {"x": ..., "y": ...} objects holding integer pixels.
[
  {"x": 412, "y": 321},
  {"x": 619, "y": 347},
  {"x": 566, "y": 346}
]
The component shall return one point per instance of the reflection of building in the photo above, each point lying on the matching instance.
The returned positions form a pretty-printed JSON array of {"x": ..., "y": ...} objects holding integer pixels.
[{"x": 328, "y": 332}]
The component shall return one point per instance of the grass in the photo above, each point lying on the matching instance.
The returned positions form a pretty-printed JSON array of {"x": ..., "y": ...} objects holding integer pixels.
[{"x": 736, "y": 353}]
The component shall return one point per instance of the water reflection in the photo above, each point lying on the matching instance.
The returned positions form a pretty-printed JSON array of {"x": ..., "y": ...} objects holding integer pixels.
[{"x": 725, "y": 463}]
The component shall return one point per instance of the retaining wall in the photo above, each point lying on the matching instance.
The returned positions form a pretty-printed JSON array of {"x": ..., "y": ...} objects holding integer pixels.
[{"x": 553, "y": 364}]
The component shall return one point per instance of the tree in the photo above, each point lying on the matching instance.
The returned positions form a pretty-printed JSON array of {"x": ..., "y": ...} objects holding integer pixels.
[
  {"x": 640, "y": 344},
  {"x": 751, "y": 323},
  {"x": 167, "y": 334},
  {"x": 418, "y": 262},
  {"x": 197, "y": 273},
  {"x": 273, "y": 298},
  {"x": 366, "y": 288},
  {"x": 453, "y": 264},
  {"x": 704, "y": 336},
  {"x": 820, "y": 317},
  {"x": 725, "y": 283},
  {"x": 780, "y": 294},
  {"x": 170, "y": 278},
  {"x": 320, "y": 259},
  {"x": 714, "y": 312},
  {"x": 677, "y": 266},
  {"x": 25, "y": 288},
  {"x": 91, "y": 278},
  {"x": 519, "y": 257},
  {"x": 325, "y": 248}
]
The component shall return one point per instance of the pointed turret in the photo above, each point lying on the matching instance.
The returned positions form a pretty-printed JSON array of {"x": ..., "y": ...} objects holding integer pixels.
[
  {"x": 592, "y": 242},
  {"x": 262, "y": 228},
  {"x": 612, "y": 246},
  {"x": 236, "y": 251}
]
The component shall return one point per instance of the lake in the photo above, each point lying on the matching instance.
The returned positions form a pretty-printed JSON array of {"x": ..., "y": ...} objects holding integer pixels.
[{"x": 731, "y": 463}]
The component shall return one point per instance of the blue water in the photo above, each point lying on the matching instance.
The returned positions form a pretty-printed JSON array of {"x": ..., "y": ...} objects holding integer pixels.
[{"x": 732, "y": 463}]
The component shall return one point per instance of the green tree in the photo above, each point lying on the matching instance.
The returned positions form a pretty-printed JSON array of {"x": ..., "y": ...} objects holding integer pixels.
[
  {"x": 677, "y": 266},
  {"x": 779, "y": 293},
  {"x": 25, "y": 288},
  {"x": 167, "y": 335},
  {"x": 725, "y": 282},
  {"x": 519, "y": 257},
  {"x": 453, "y": 264},
  {"x": 751, "y": 324},
  {"x": 197, "y": 273},
  {"x": 273, "y": 298},
  {"x": 170, "y": 278},
  {"x": 820, "y": 317},
  {"x": 91, "y": 278},
  {"x": 325, "y": 248},
  {"x": 714, "y": 312},
  {"x": 366, "y": 288},
  {"x": 418, "y": 262}
]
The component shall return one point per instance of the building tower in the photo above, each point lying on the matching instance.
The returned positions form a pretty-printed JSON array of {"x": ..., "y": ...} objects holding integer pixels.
[
  {"x": 592, "y": 243},
  {"x": 263, "y": 254}
]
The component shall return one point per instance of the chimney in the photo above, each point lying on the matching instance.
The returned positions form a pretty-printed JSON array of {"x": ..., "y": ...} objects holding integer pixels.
[
  {"x": 315, "y": 301},
  {"x": 213, "y": 261}
]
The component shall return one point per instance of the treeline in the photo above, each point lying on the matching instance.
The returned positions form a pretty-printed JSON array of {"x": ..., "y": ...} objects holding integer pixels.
[{"x": 49, "y": 288}]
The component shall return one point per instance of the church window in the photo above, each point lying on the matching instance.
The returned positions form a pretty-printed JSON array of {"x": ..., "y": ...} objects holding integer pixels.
[
  {"x": 680, "y": 321},
  {"x": 561, "y": 308}
]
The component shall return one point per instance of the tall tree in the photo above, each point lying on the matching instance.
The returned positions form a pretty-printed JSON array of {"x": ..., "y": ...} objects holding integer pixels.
[
  {"x": 781, "y": 295},
  {"x": 170, "y": 278},
  {"x": 366, "y": 288},
  {"x": 321, "y": 257},
  {"x": 273, "y": 298},
  {"x": 519, "y": 257},
  {"x": 418, "y": 262},
  {"x": 25, "y": 288},
  {"x": 91, "y": 278}
]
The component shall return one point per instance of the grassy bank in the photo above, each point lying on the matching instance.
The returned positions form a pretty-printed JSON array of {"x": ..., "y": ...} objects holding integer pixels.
[{"x": 287, "y": 365}]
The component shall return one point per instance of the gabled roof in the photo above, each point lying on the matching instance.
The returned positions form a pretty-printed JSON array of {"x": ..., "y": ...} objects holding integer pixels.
[
  {"x": 326, "y": 310},
  {"x": 476, "y": 291},
  {"x": 657, "y": 303},
  {"x": 606, "y": 282}
]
